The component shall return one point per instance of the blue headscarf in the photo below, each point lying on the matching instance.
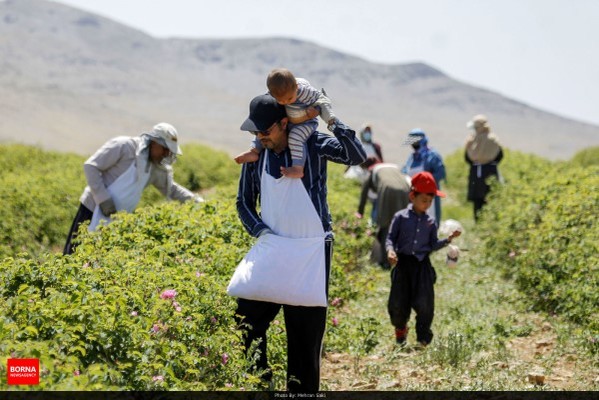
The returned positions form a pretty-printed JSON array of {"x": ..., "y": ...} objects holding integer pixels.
[{"x": 416, "y": 135}]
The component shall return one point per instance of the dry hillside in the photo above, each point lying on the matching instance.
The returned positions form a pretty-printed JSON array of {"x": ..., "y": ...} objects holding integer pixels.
[{"x": 71, "y": 79}]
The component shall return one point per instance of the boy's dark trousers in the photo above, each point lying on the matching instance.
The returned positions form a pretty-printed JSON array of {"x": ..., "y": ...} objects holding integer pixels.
[
  {"x": 305, "y": 332},
  {"x": 412, "y": 287}
]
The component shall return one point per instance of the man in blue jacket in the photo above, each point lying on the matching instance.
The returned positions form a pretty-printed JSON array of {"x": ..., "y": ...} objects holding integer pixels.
[{"x": 305, "y": 325}]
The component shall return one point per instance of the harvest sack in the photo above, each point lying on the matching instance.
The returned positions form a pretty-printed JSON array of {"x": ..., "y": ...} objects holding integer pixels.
[
  {"x": 282, "y": 270},
  {"x": 287, "y": 267}
]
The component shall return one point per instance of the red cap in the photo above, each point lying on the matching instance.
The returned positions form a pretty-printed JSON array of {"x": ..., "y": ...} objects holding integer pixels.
[{"x": 423, "y": 182}]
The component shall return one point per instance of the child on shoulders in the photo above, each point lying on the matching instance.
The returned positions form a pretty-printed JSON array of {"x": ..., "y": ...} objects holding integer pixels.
[{"x": 303, "y": 103}]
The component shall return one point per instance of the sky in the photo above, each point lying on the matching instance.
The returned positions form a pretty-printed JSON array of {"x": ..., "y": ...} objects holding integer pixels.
[{"x": 540, "y": 52}]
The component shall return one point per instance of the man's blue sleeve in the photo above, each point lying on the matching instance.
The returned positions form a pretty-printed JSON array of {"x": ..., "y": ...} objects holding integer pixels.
[
  {"x": 247, "y": 197},
  {"x": 344, "y": 148}
]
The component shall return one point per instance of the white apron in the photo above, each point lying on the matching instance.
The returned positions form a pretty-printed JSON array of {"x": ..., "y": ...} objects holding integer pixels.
[
  {"x": 287, "y": 267},
  {"x": 125, "y": 191}
]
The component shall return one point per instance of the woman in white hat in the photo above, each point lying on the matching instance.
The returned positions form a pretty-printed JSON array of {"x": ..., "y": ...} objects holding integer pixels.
[{"x": 483, "y": 153}]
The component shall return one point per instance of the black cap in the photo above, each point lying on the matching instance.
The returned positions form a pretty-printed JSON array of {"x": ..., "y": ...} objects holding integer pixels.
[{"x": 264, "y": 112}]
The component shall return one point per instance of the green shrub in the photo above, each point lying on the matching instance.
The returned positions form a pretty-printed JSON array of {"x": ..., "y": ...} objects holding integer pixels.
[
  {"x": 96, "y": 319},
  {"x": 587, "y": 157},
  {"x": 40, "y": 192},
  {"x": 104, "y": 306},
  {"x": 201, "y": 167},
  {"x": 453, "y": 350},
  {"x": 353, "y": 237},
  {"x": 539, "y": 228}
]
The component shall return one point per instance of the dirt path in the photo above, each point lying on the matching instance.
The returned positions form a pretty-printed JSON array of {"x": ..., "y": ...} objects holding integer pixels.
[
  {"x": 389, "y": 369},
  {"x": 485, "y": 339}
]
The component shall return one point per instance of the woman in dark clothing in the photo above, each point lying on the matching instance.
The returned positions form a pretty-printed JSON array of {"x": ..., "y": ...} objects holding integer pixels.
[{"x": 483, "y": 153}]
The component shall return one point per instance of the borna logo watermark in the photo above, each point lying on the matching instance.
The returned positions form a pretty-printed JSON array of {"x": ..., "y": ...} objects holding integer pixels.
[{"x": 23, "y": 371}]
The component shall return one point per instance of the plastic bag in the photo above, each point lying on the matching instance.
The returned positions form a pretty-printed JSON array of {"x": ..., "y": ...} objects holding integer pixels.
[
  {"x": 449, "y": 226},
  {"x": 453, "y": 252}
]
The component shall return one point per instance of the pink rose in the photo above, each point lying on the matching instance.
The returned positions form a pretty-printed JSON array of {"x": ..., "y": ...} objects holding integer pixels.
[{"x": 168, "y": 294}]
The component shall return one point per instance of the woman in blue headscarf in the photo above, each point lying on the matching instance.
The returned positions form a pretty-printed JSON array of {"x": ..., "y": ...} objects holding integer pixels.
[{"x": 425, "y": 159}]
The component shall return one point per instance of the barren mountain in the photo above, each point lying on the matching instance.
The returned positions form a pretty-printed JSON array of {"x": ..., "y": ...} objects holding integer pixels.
[{"x": 70, "y": 79}]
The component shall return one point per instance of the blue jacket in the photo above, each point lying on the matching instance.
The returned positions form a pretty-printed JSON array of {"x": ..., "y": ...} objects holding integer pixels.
[{"x": 431, "y": 162}]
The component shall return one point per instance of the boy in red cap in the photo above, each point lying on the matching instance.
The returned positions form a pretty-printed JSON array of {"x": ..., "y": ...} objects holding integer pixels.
[{"x": 412, "y": 237}]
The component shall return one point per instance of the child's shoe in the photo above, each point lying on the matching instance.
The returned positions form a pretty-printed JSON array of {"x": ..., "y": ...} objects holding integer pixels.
[
  {"x": 421, "y": 345},
  {"x": 401, "y": 335}
]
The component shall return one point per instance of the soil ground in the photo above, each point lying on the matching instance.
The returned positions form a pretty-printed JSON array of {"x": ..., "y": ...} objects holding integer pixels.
[{"x": 539, "y": 352}]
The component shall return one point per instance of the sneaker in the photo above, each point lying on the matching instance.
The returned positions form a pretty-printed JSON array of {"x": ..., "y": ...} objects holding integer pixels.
[{"x": 401, "y": 335}]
